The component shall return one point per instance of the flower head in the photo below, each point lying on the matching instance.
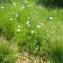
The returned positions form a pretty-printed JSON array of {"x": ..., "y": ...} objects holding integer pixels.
[
  {"x": 28, "y": 22},
  {"x": 28, "y": 18},
  {"x": 29, "y": 25},
  {"x": 2, "y": 7},
  {"x": 32, "y": 31},
  {"x": 50, "y": 17},
  {"x": 18, "y": 30},
  {"x": 38, "y": 26},
  {"x": 42, "y": 24},
  {"x": 17, "y": 15},
  {"x": 14, "y": 4},
  {"x": 19, "y": 26}
]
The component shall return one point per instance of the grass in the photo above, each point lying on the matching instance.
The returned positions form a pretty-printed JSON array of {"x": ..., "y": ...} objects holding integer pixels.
[
  {"x": 30, "y": 27},
  {"x": 8, "y": 54}
]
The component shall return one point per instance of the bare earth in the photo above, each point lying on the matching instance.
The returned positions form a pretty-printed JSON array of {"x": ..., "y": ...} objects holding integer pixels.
[{"x": 26, "y": 58}]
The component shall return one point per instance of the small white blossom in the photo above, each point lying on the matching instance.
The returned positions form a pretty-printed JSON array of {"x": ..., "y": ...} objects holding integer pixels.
[
  {"x": 29, "y": 25},
  {"x": 28, "y": 18},
  {"x": 42, "y": 24},
  {"x": 38, "y": 26},
  {"x": 2, "y": 7},
  {"x": 28, "y": 22},
  {"x": 32, "y": 31},
  {"x": 17, "y": 15},
  {"x": 14, "y": 4},
  {"x": 19, "y": 26},
  {"x": 18, "y": 30},
  {"x": 50, "y": 17}
]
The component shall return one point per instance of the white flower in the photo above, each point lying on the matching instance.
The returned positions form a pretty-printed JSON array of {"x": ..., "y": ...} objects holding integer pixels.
[
  {"x": 42, "y": 24},
  {"x": 38, "y": 26},
  {"x": 14, "y": 4},
  {"x": 28, "y": 22},
  {"x": 17, "y": 15},
  {"x": 11, "y": 19},
  {"x": 19, "y": 26},
  {"x": 28, "y": 18},
  {"x": 29, "y": 25},
  {"x": 2, "y": 7},
  {"x": 50, "y": 17},
  {"x": 32, "y": 31},
  {"x": 18, "y": 30}
]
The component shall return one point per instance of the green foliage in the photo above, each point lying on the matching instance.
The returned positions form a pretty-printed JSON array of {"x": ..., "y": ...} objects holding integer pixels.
[
  {"x": 8, "y": 30},
  {"x": 34, "y": 43},
  {"x": 57, "y": 54},
  {"x": 8, "y": 1},
  {"x": 51, "y": 2},
  {"x": 55, "y": 44},
  {"x": 7, "y": 54},
  {"x": 35, "y": 37}
]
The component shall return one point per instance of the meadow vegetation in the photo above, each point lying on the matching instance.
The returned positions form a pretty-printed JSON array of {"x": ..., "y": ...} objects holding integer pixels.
[{"x": 26, "y": 25}]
